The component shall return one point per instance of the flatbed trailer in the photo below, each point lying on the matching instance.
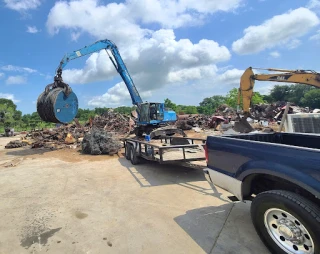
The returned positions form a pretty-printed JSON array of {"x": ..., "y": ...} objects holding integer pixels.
[{"x": 183, "y": 151}]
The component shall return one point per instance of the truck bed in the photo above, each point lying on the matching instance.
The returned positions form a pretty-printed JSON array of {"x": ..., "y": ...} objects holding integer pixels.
[{"x": 291, "y": 139}]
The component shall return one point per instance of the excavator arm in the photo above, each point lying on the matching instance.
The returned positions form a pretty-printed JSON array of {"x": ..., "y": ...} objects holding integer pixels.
[
  {"x": 248, "y": 79},
  {"x": 117, "y": 62}
]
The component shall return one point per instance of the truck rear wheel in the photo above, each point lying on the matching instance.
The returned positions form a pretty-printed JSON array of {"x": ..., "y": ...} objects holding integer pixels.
[{"x": 286, "y": 222}]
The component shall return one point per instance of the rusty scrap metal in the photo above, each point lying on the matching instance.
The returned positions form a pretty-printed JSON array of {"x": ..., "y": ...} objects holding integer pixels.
[
  {"x": 15, "y": 144},
  {"x": 71, "y": 135},
  {"x": 98, "y": 141}
]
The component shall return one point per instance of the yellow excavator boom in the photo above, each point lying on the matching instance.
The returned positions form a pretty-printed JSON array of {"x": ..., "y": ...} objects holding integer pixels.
[{"x": 248, "y": 78}]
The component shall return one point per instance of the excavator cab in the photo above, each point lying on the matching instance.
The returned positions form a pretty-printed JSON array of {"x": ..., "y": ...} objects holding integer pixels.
[
  {"x": 155, "y": 114},
  {"x": 151, "y": 113}
]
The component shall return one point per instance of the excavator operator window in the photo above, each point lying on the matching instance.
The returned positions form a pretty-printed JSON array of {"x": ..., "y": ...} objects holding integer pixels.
[
  {"x": 156, "y": 111},
  {"x": 160, "y": 111},
  {"x": 153, "y": 112}
]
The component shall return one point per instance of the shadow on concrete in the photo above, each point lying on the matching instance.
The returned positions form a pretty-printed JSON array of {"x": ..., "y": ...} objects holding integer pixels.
[
  {"x": 204, "y": 225},
  {"x": 150, "y": 174},
  {"x": 25, "y": 151},
  {"x": 223, "y": 229}
]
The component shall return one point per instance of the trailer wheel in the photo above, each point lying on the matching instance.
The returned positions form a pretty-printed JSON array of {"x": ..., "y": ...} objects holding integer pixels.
[
  {"x": 127, "y": 151},
  {"x": 286, "y": 222},
  {"x": 134, "y": 158}
]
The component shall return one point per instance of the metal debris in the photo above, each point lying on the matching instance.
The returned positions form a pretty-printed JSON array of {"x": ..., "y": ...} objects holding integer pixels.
[
  {"x": 99, "y": 141},
  {"x": 15, "y": 144},
  {"x": 72, "y": 135}
]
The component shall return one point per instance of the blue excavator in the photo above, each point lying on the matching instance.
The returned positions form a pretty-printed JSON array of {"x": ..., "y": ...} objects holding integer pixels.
[{"x": 59, "y": 104}]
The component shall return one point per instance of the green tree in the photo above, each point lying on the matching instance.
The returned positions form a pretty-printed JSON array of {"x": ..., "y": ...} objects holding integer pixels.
[
  {"x": 297, "y": 92},
  {"x": 257, "y": 98},
  {"x": 84, "y": 114},
  {"x": 169, "y": 104},
  {"x": 311, "y": 99},
  {"x": 8, "y": 103},
  {"x": 7, "y": 112},
  {"x": 17, "y": 116},
  {"x": 124, "y": 110},
  {"x": 210, "y": 104},
  {"x": 184, "y": 109},
  {"x": 280, "y": 93},
  {"x": 100, "y": 111},
  {"x": 267, "y": 98},
  {"x": 232, "y": 98}
]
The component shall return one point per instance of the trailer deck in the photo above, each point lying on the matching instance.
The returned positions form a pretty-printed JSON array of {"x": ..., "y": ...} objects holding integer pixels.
[{"x": 175, "y": 150}]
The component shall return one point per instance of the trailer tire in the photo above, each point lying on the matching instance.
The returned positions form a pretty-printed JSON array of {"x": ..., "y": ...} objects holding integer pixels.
[
  {"x": 127, "y": 151},
  {"x": 134, "y": 158},
  {"x": 286, "y": 222}
]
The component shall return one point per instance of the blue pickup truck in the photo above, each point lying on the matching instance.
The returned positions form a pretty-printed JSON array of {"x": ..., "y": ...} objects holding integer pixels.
[{"x": 280, "y": 174}]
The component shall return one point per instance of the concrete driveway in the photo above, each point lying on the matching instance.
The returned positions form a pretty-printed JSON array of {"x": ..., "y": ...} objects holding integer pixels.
[{"x": 65, "y": 202}]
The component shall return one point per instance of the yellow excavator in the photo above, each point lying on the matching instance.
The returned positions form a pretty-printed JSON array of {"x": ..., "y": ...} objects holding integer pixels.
[{"x": 248, "y": 78}]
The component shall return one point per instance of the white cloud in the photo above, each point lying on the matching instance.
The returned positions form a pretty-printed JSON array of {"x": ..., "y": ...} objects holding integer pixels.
[
  {"x": 156, "y": 60},
  {"x": 32, "y": 29},
  {"x": 22, "y": 5},
  {"x": 207, "y": 81},
  {"x": 115, "y": 96},
  {"x": 315, "y": 37},
  {"x": 1, "y": 74},
  {"x": 230, "y": 77},
  {"x": 75, "y": 36},
  {"x": 9, "y": 97},
  {"x": 174, "y": 14},
  {"x": 15, "y": 80},
  {"x": 98, "y": 19},
  {"x": 264, "y": 87},
  {"x": 274, "y": 54},
  {"x": 293, "y": 44},
  {"x": 17, "y": 69},
  {"x": 276, "y": 31},
  {"x": 195, "y": 73},
  {"x": 314, "y": 4}
]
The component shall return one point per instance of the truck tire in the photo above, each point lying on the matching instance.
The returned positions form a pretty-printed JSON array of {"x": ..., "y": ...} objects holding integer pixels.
[
  {"x": 286, "y": 222},
  {"x": 127, "y": 151},
  {"x": 134, "y": 158}
]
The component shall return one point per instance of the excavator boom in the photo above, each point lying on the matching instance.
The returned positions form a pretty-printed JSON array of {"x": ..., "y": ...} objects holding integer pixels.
[
  {"x": 248, "y": 79},
  {"x": 289, "y": 76}
]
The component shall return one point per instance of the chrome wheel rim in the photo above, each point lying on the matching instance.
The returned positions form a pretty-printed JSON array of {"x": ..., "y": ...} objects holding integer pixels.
[{"x": 288, "y": 232}]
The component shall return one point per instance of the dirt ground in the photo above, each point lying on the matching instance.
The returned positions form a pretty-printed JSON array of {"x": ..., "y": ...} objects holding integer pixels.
[{"x": 65, "y": 202}]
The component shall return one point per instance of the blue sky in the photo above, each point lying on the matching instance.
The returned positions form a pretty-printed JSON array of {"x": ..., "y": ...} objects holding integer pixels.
[{"x": 184, "y": 50}]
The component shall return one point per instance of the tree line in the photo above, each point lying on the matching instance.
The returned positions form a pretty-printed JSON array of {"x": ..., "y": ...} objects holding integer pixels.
[{"x": 298, "y": 94}]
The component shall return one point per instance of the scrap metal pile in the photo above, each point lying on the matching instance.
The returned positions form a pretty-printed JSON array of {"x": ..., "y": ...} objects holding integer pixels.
[
  {"x": 112, "y": 126},
  {"x": 224, "y": 115},
  {"x": 98, "y": 141},
  {"x": 187, "y": 122},
  {"x": 104, "y": 130},
  {"x": 112, "y": 122}
]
